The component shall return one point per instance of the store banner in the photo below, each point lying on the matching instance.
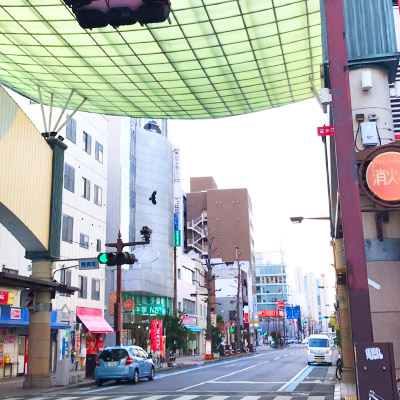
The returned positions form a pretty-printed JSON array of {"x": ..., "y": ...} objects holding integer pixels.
[
  {"x": 153, "y": 335},
  {"x": 160, "y": 335},
  {"x": 144, "y": 305}
]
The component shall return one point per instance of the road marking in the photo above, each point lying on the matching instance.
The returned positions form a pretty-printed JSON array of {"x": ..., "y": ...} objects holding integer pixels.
[
  {"x": 291, "y": 353},
  {"x": 221, "y": 377},
  {"x": 155, "y": 397},
  {"x": 249, "y": 382},
  {"x": 215, "y": 398},
  {"x": 251, "y": 398},
  {"x": 295, "y": 377},
  {"x": 185, "y": 397},
  {"x": 284, "y": 397},
  {"x": 277, "y": 358},
  {"x": 286, "y": 355},
  {"x": 300, "y": 378}
]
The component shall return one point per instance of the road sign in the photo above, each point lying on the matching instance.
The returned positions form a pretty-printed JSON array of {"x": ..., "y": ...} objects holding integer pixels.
[
  {"x": 281, "y": 305},
  {"x": 326, "y": 130},
  {"x": 88, "y": 263}
]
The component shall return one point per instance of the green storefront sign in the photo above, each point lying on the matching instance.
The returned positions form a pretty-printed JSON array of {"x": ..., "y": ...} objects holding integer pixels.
[
  {"x": 177, "y": 238},
  {"x": 144, "y": 305}
]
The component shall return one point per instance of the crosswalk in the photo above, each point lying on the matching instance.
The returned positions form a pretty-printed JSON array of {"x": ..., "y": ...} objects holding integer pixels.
[{"x": 181, "y": 397}]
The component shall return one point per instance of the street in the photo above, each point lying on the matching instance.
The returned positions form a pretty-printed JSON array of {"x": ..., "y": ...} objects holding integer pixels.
[{"x": 270, "y": 374}]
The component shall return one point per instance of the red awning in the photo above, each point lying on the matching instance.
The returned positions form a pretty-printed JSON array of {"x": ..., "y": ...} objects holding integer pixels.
[{"x": 93, "y": 319}]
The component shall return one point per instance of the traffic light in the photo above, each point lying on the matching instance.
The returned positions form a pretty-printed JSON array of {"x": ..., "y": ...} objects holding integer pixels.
[
  {"x": 27, "y": 299},
  {"x": 325, "y": 317},
  {"x": 112, "y": 259}
]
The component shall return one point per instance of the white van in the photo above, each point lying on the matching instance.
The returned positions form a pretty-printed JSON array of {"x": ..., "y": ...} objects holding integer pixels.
[{"x": 319, "y": 350}]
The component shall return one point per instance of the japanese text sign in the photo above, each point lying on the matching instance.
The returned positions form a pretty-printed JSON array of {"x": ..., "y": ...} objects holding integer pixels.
[
  {"x": 383, "y": 176},
  {"x": 326, "y": 130}
]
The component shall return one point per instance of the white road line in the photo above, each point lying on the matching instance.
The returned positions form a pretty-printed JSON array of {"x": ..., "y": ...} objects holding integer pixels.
[
  {"x": 286, "y": 355},
  {"x": 119, "y": 398},
  {"x": 284, "y": 397},
  {"x": 221, "y": 377},
  {"x": 277, "y": 358},
  {"x": 186, "y": 397},
  {"x": 291, "y": 353},
  {"x": 216, "y": 398},
  {"x": 94, "y": 398},
  {"x": 251, "y": 398},
  {"x": 292, "y": 380},
  {"x": 97, "y": 390},
  {"x": 154, "y": 397},
  {"x": 248, "y": 382},
  {"x": 315, "y": 397}
]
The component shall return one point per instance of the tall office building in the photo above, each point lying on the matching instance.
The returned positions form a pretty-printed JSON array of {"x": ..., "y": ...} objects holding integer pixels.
[
  {"x": 141, "y": 163},
  {"x": 225, "y": 215}
]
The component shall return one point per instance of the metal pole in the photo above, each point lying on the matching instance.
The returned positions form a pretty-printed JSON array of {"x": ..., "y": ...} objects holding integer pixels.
[
  {"x": 118, "y": 329},
  {"x": 238, "y": 338},
  {"x": 175, "y": 303},
  {"x": 353, "y": 237}
]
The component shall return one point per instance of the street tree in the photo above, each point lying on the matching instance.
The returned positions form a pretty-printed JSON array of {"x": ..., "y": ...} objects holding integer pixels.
[{"x": 176, "y": 333}]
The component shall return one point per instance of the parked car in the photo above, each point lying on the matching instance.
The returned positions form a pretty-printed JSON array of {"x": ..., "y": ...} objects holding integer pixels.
[
  {"x": 293, "y": 340},
  {"x": 319, "y": 350},
  {"x": 305, "y": 340},
  {"x": 119, "y": 363}
]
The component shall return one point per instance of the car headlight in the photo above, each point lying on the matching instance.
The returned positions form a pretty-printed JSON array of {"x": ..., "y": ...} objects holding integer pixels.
[
  {"x": 309, "y": 351},
  {"x": 329, "y": 351}
]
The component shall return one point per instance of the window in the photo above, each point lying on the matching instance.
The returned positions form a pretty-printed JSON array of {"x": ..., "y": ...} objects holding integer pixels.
[
  {"x": 98, "y": 245},
  {"x": 188, "y": 275},
  {"x": 67, "y": 228},
  {"x": 179, "y": 273},
  {"x": 86, "y": 188},
  {"x": 82, "y": 293},
  {"x": 179, "y": 306},
  {"x": 65, "y": 279},
  {"x": 98, "y": 195},
  {"x": 189, "y": 307},
  {"x": 84, "y": 241},
  {"x": 87, "y": 143},
  {"x": 95, "y": 289},
  {"x": 10, "y": 271},
  {"x": 69, "y": 177},
  {"x": 71, "y": 130},
  {"x": 98, "y": 152}
]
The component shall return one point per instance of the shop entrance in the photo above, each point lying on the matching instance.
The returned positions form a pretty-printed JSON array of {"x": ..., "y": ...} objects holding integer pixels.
[{"x": 22, "y": 354}]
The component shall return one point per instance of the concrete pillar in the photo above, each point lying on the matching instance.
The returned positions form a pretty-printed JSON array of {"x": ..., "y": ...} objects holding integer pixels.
[
  {"x": 344, "y": 317},
  {"x": 38, "y": 375}
]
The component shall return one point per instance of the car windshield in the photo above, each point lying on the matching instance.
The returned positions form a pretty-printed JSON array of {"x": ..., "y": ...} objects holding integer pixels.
[
  {"x": 318, "y": 343},
  {"x": 113, "y": 355}
]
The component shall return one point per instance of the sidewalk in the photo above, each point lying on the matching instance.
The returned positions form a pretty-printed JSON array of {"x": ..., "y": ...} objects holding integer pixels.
[{"x": 14, "y": 387}]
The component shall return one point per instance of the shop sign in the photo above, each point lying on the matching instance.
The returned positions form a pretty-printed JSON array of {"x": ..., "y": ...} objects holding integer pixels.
[
  {"x": 187, "y": 320},
  {"x": 246, "y": 318},
  {"x": 383, "y": 176},
  {"x": 113, "y": 300},
  {"x": 153, "y": 335},
  {"x": 326, "y": 130},
  {"x": 177, "y": 238},
  {"x": 129, "y": 305},
  {"x": 3, "y": 297},
  {"x": 15, "y": 313},
  {"x": 145, "y": 305}
]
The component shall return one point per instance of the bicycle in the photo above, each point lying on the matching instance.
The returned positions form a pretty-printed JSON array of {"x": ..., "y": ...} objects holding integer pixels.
[
  {"x": 156, "y": 361},
  {"x": 339, "y": 367}
]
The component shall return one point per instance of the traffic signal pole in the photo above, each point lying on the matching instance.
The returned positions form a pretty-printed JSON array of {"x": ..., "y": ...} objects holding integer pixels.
[{"x": 119, "y": 245}]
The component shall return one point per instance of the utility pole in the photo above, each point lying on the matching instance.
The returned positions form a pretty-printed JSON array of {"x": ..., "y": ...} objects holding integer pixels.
[
  {"x": 238, "y": 338},
  {"x": 119, "y": 245}
]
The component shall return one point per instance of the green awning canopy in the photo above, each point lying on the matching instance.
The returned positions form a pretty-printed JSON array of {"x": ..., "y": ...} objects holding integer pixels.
[{"x": 218, "y": 58}]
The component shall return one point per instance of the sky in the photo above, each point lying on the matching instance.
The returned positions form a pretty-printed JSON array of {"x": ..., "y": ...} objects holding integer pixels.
[{"x": 278, "y": 156}]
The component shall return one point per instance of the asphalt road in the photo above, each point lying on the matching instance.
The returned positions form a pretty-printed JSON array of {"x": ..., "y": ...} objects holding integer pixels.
[{"x": 268, "y": 375}]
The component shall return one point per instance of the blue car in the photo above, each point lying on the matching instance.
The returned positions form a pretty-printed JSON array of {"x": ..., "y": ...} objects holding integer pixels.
[{"x": 119, "y": 363}]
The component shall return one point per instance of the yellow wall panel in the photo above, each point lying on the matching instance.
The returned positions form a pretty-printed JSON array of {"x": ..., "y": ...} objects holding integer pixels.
[{"x": 25, "y": 169}]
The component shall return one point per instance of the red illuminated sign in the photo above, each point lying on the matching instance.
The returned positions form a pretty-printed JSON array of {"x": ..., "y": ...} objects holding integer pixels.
[
  {"x": 187, "y": 320},
  {"x": 246, "y": 317},
  {"x": 281, "y": 305},
  {"x": 383, "y": 176},
  {"x": 326, "y": 130},
  {"x": 268, "y": 313}
]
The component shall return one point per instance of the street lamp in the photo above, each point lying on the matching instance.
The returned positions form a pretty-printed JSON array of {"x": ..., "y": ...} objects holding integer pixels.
[{"x": 299, "y": 220}]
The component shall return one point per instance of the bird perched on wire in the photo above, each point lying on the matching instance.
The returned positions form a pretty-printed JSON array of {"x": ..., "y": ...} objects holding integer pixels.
[{"x": 152, "y": 198}]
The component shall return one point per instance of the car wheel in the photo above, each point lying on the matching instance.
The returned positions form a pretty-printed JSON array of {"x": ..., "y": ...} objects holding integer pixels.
[
  {"x": 152, "y": 374},
  {"x": 118, "y": 380},
  {"x": 99, "y": 382},
  {"x": 330, "y": 364},
  {"x": 309, "y": 363},
  {"x": 135, "y": 379}
]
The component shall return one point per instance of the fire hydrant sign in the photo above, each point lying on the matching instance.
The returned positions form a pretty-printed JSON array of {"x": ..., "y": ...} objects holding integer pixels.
[
  {"x": 383, "y": 176},
  {"x": 328, "y": 130}
]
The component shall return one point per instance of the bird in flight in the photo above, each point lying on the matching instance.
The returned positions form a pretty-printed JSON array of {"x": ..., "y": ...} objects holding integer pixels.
[{"x": 152, "y": 198}]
